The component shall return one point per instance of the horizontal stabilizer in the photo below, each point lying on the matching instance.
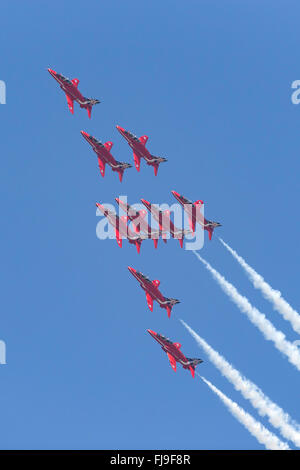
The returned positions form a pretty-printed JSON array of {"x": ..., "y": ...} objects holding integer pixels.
[
  {"x": 168, "y": 308},
  {"x": 121, "y": 173}
]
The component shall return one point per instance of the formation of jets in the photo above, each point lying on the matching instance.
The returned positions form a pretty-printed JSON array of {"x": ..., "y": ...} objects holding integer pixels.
[
  {"x": 137, "y": 218},
  {"x": 141, "y": 229},
  {"x": 165, "y": 222}
]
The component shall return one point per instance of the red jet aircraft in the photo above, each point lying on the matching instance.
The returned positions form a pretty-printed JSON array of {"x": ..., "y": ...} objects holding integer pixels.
[
  {"x": 139, "y": 150},
  {"x": 193, "y": 209},
  {"x": 72, "y": 92},
  {"x": 153, "y": 293},
  {"x": 104, "y": 155},
  {"x": 122, "y": 230},
  {"x": 138, "y": 221},
  {"x": 174, "y": 354},
  {"x": 165, "y": 223}
]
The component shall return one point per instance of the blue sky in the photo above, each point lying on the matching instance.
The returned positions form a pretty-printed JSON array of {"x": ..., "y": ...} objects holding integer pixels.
[{"x": 210, "y": 83}]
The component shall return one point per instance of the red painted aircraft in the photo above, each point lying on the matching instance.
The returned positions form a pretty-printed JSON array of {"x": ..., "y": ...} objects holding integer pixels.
[
  {"x": 138, "y": 221},
  {"x": 193, "y": 209},
  {"x": 122, "y": 230},
  {"x": 165, "y": 222},
  {"x": 139, "y": 150},
  {"x": 104, "y": 155},
  {"x": 152, "y": 292},
  {"x": 174, "y": 354},
  {"x": 72, "y": 92}
]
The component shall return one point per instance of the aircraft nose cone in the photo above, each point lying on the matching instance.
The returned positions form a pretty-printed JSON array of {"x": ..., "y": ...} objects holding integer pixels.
[
  {"x": 51, "y": 71},
  {"x": 175, "y": 193},
  {"x": 132, "y": 270},
  {"x": 147, "y": 203},
  {"x": 85, "y": 134},
  {"x": 152, "y": 333},
  {"x": 120, "y": 129}
]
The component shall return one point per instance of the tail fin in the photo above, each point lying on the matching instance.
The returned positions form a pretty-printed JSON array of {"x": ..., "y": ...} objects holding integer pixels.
[
  {"x": 210, "y": 232},
  {"x": 180, "y": 242},
  {"x": 89, "y": 110},
  {"x": 155, "y": 241},
  {"x": 155, "y": 169},
  {"x": 192, "y": 369},
  {"x": 169, "y": 309},
  {"x": 138, "y": 246}
]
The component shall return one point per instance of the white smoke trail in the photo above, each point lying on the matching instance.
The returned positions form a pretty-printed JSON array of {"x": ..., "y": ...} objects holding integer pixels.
[
  {"x": 274, "y": 296},
  {"x": 262, "y": 434},
  {"x": 256, "y": 317},
  {"x": 262, "y": 403}
]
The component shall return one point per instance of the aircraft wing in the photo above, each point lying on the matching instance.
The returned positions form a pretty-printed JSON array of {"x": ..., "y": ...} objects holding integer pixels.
[
  {"x": 192, "y": 224},
  {"x": 70, "y": 103},
  {"x": 119, "y": 238},
  {"x": 75, "y": 82},
  {"x": 137, "y": 161},
  {"x": 149, "y": 301},
  {"x": 101, "y": 166},
  {"x": 143, "y": 139},
  {"x": 172, "y": 361}
]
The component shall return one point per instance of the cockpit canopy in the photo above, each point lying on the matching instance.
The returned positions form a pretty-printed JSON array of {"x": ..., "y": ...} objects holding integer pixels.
[
  {"x": 185, "y": 200},
  {"x": 129, "y": 134},
  {"x": 143, "y": 276},
  {"x": 167, "y": 340},
  {"x": 64, "y": 79},
  {"x": 95, "y": 141}
]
